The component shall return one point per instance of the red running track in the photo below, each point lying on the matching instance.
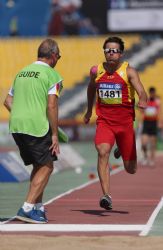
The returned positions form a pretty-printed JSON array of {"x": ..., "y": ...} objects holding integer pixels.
[{"x": 134, "y": 197}]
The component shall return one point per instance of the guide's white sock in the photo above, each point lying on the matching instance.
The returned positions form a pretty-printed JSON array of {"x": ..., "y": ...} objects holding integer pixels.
[
  {"x": 39, "y": 206},
  {"x": 27, "y": 206}
]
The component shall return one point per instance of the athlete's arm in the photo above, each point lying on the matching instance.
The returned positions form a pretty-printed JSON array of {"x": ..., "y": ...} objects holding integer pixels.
[
  {"x": 8, "y": 102},
  {"x": 160, "y": 113},
  {"x": 52, "y": 112},
  {"x": 138, "y": 86},
  {"x": 91, "y": 92}
]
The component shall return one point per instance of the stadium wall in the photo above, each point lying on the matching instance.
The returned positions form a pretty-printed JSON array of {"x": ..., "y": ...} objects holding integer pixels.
[{"x": 78, "y": 55}]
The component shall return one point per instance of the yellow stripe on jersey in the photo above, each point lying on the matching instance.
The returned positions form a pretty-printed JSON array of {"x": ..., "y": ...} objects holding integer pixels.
[{"x": 122, "y": 71}]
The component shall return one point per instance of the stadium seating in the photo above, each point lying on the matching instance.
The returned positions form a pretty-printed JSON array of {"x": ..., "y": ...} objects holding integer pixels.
[
  {"x": 152, "y": 76},
  {"x": 78, "y": 55}
]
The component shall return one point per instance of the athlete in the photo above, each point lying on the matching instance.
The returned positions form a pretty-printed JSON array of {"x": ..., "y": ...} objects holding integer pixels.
[
  {"x": 33, "y": 102},
  {"x": 151, "y": 116},
  {"x": 114, "y": 82}
]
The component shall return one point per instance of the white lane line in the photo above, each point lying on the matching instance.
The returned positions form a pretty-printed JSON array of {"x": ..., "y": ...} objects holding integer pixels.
[
  {"x": 70, "y": 228},
  {"x": 71, "y": 190},
  {"x": 152, "y": 218},
  {"x": 7, "y": 221},
  {"x": 115, "y": 171}
]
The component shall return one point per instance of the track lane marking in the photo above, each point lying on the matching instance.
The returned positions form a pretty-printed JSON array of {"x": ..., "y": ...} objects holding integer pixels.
[
  {"x": 82, "y": 227},
  {"x": 115, "y": 171},
  {"x": 70, "y": 228},
  {"x": 152, "y": 218}
]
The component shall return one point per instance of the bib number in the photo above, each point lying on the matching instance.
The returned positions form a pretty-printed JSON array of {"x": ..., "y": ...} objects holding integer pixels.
[
  {"x": 104, "y": 93},
  {"x": 110, "y": 93}
]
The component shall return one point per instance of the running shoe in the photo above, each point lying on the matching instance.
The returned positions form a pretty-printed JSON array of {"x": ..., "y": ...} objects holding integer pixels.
[
  {"x": 151, "y": 163},
  {"x": 106, "y": 202},
  {"x": 42, "y": 214},
  {"x": 144, "y": 162},
  {"x": 32, "y": 216},
  {"x": 117, "y": 153}
]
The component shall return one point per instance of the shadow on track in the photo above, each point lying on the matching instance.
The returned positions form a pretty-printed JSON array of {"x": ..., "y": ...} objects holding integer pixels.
[{"x": 101, "y": 212}]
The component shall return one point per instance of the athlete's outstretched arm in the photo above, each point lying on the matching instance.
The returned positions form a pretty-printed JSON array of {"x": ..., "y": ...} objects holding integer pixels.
[
  {"x": 91, "y": 92},
  {"x": 138, "y": 86}
]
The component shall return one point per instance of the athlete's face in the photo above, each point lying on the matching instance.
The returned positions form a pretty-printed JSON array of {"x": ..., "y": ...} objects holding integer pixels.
[
  {"x": 112, "y": 53},
  {"x": 152, "y": 94}
]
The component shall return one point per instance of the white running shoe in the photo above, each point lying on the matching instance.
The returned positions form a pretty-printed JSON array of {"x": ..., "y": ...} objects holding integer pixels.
[
  {"x": 144, "y": 162},
  {"x": 151, "y": 163}
]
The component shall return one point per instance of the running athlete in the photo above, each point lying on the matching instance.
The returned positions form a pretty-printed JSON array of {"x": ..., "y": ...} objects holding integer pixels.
[
  {"x": 33, "y": 102},
  {"x": 150, "y": 124},
  {"x": 115, "y": 83}
]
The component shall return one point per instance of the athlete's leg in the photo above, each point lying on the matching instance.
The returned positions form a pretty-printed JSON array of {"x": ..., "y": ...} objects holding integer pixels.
[
  {"x": 144, "y": 145},
  {"x": 104, "y": 140},
  {"x": 152, "y": 142},
  {"x": 39, "y": 179},
  {"x": 125, "y": 139},
  {"x": 130, "y": 166},
  {"x": 103, "y": 150}
]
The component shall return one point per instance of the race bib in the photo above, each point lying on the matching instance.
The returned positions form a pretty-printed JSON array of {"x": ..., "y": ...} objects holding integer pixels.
[
  {"x": 110, "y": 93},
  {"x": 150, "y": 111}
]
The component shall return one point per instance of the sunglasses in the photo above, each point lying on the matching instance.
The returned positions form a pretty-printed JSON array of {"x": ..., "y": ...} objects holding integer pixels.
[
  {"x": 58, "y": 56},
  {"x": 114, "y": 51}
]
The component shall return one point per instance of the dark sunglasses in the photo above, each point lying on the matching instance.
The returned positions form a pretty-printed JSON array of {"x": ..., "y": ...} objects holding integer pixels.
[
  {"x": 58, "y": 56},
  {"x": 114, "y": 51}
]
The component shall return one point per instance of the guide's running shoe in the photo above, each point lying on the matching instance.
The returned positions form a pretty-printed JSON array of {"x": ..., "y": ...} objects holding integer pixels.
[
  {"x": 117, "y": 153},
  {"x": 106, "y": 202},
  {"x": 32, "y": 216},
  {"x": 42, "y": 214}
]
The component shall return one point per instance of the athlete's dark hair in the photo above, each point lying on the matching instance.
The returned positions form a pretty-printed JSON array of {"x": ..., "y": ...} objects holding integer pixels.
[
  {"x": 114, "y": 39},
  {"x": 46, "y": 48},
  {"x": 152, "y": 89}
]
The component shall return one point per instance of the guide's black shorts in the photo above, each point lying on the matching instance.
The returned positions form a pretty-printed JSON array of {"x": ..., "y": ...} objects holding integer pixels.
[
  {"x": 34, "y": 150},
  {"x": 149, "y": 128}
]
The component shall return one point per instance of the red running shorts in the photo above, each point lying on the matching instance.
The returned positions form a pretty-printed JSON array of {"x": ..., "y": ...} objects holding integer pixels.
[{"x": 122, "y": 133}]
